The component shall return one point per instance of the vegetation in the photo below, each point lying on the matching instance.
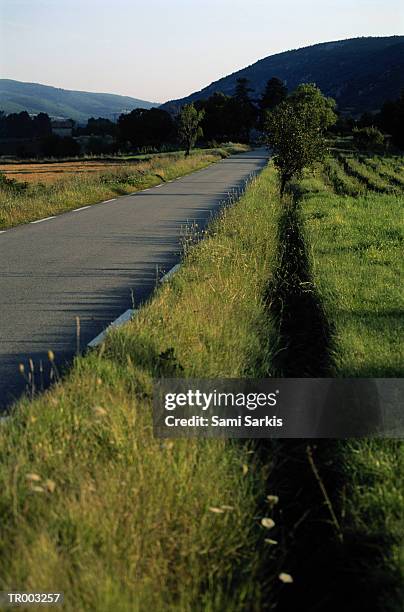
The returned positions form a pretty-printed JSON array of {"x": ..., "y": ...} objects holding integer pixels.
[
  {"x": 356, "y": 249},
  {"x": 67, "y": 524},
  {"x": 93, "y": 505},
  {"x": 356, "y": 245},
  {"x": 146, "y": 128},
  {"x": 189, "y": 126},
  {"x": 295, "y": 131},
  {"x": 79, "y": 105},
  {"x": 360, "y": 73},
  {"x": 369, "y": 177},
  {"x": 23, "y": 202},
  {"x": 368, "y": 139}
]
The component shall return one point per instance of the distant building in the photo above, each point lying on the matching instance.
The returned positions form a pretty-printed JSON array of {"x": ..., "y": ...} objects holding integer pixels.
[{"x": 62, "y": 127}]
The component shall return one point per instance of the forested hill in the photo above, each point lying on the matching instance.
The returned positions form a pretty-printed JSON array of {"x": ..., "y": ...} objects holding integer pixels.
[
  {"x": 360, "y": 73},
  {"x": 16, "y": 96}
]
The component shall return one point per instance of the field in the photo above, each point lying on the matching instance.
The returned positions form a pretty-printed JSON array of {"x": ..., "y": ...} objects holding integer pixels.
[
  {"x": 356, "y": 258},
  {"x": 49, "y": 173},
  {"x": 93, "y": 505},
  {"x": 30, "y": 191}
]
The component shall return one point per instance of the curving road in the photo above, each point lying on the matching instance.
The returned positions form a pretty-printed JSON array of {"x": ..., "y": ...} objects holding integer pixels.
[{"x": 88, "y": 263}]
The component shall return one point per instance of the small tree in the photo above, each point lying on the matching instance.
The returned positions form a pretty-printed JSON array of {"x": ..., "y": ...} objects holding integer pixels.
[
  {"x": 295, "y": 131},
  {"x": 189, "y": 126}
]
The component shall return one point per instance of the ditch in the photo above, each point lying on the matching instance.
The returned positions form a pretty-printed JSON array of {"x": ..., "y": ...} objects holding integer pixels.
[{"x": 328, "y": 562}]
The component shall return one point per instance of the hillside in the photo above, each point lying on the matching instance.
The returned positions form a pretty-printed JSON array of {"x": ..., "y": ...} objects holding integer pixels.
[
  {"x": 360, "y": 73},
  {"x": 16, "y": 96}
]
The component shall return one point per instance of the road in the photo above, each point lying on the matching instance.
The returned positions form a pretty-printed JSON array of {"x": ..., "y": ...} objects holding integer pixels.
[{"x": 90, "y": 262}]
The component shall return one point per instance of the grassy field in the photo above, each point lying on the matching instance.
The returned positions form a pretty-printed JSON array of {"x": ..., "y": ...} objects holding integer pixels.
[
  {"x": 356, "y": 246},
  {"x": 34, "y": 191},
  {"x": 93, "y": 505}
]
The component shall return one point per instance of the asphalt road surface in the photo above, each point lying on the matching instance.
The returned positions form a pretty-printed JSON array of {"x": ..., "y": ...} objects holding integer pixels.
[{"x": 89, "y": 263}]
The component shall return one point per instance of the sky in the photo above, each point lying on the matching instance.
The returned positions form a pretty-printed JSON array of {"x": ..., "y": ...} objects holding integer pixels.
[{"x": 158, "y": 50}]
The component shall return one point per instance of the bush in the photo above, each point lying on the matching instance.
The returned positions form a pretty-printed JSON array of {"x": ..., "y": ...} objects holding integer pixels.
[{"x": 368, "y": 139}]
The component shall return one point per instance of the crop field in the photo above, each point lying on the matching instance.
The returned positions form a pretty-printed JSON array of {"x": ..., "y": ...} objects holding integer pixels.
[
  {"x": 356, "y": 246},
  {"x": 48, "y": 173}
]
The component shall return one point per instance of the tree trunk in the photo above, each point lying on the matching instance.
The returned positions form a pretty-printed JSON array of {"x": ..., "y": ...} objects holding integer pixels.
[{"x": 284, "y": 180}]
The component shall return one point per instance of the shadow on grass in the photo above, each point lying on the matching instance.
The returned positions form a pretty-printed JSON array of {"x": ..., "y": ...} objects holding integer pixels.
[{"x": 334, "y": 566}]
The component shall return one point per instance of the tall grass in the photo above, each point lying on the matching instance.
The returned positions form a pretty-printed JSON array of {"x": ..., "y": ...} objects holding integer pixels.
[{"x": 92, "y": 504}]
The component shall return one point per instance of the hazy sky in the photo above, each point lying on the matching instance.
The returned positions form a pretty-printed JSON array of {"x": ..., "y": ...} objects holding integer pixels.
[{"x": 162, "y": 49}]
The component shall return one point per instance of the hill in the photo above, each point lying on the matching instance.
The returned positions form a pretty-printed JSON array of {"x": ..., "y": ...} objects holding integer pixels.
[
  {"x": 360, "y": 73},
  {"x": 16, "y": 96}
]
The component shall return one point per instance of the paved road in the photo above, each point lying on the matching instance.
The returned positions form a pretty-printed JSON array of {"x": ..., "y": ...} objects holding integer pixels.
[{"x": 88, "y": 263}]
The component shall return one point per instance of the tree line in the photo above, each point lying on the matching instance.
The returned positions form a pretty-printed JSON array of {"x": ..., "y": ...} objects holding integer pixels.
[{"x": 219, "y": 118}]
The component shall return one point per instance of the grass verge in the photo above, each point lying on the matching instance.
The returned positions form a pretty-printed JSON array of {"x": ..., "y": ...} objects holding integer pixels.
[
  {"x": 22, "y": 202},
  {"x": 92, "y": 504}
]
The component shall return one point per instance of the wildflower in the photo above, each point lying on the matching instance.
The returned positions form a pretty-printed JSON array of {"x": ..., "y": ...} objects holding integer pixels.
[
  {"x": 37, "y": 489},
  {"x": 285, "y": 578},
  {"x": 51, "y": 356},
  {"x": 216, "y": 510},
  {"x": 21, "y": 368},
  {"x": 245, "y": 469},
  {"x": 270, "y": 541},
  {"x": 272, "y": 499},
  {"x": 268, "y": 523},
  {"x": 33, "y": 477}
]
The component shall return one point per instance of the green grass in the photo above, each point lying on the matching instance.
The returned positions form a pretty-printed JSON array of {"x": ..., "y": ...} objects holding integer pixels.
[
  {"x": 367, "y": 175},
  {"x": 21, "y": 203},
  {"x": 388, "y": 168},
  {"x": 373, "y": 510},
  {"x": 343, "y": 183},
  {"x": 356, "y": 245},
  {"x": 92, "y": 504}
]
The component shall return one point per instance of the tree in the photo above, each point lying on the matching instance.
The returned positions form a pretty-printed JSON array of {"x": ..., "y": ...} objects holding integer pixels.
[
  {"x": 295, "y": 131},
  {"x": 189, "y": 126},
  {"x": 146, "y": 128},
  {"x": 56, "y": 146},
  {"x": 391, "y": 120},
  {"x": 216, "y": 121},
  {"x": 274, "y": 93},
  {"x": 242, "y": 112}
]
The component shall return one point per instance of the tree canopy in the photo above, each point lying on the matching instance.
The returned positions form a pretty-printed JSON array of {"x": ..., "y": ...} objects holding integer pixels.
[
  {"x": 189, "y": 126},
  {"x": 295, "y": 130}
]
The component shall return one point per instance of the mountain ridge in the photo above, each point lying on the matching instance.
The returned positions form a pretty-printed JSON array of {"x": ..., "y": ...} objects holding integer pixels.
[
  {"x": 17, "y": 96},
  {"x": 360, "y": 73}
]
